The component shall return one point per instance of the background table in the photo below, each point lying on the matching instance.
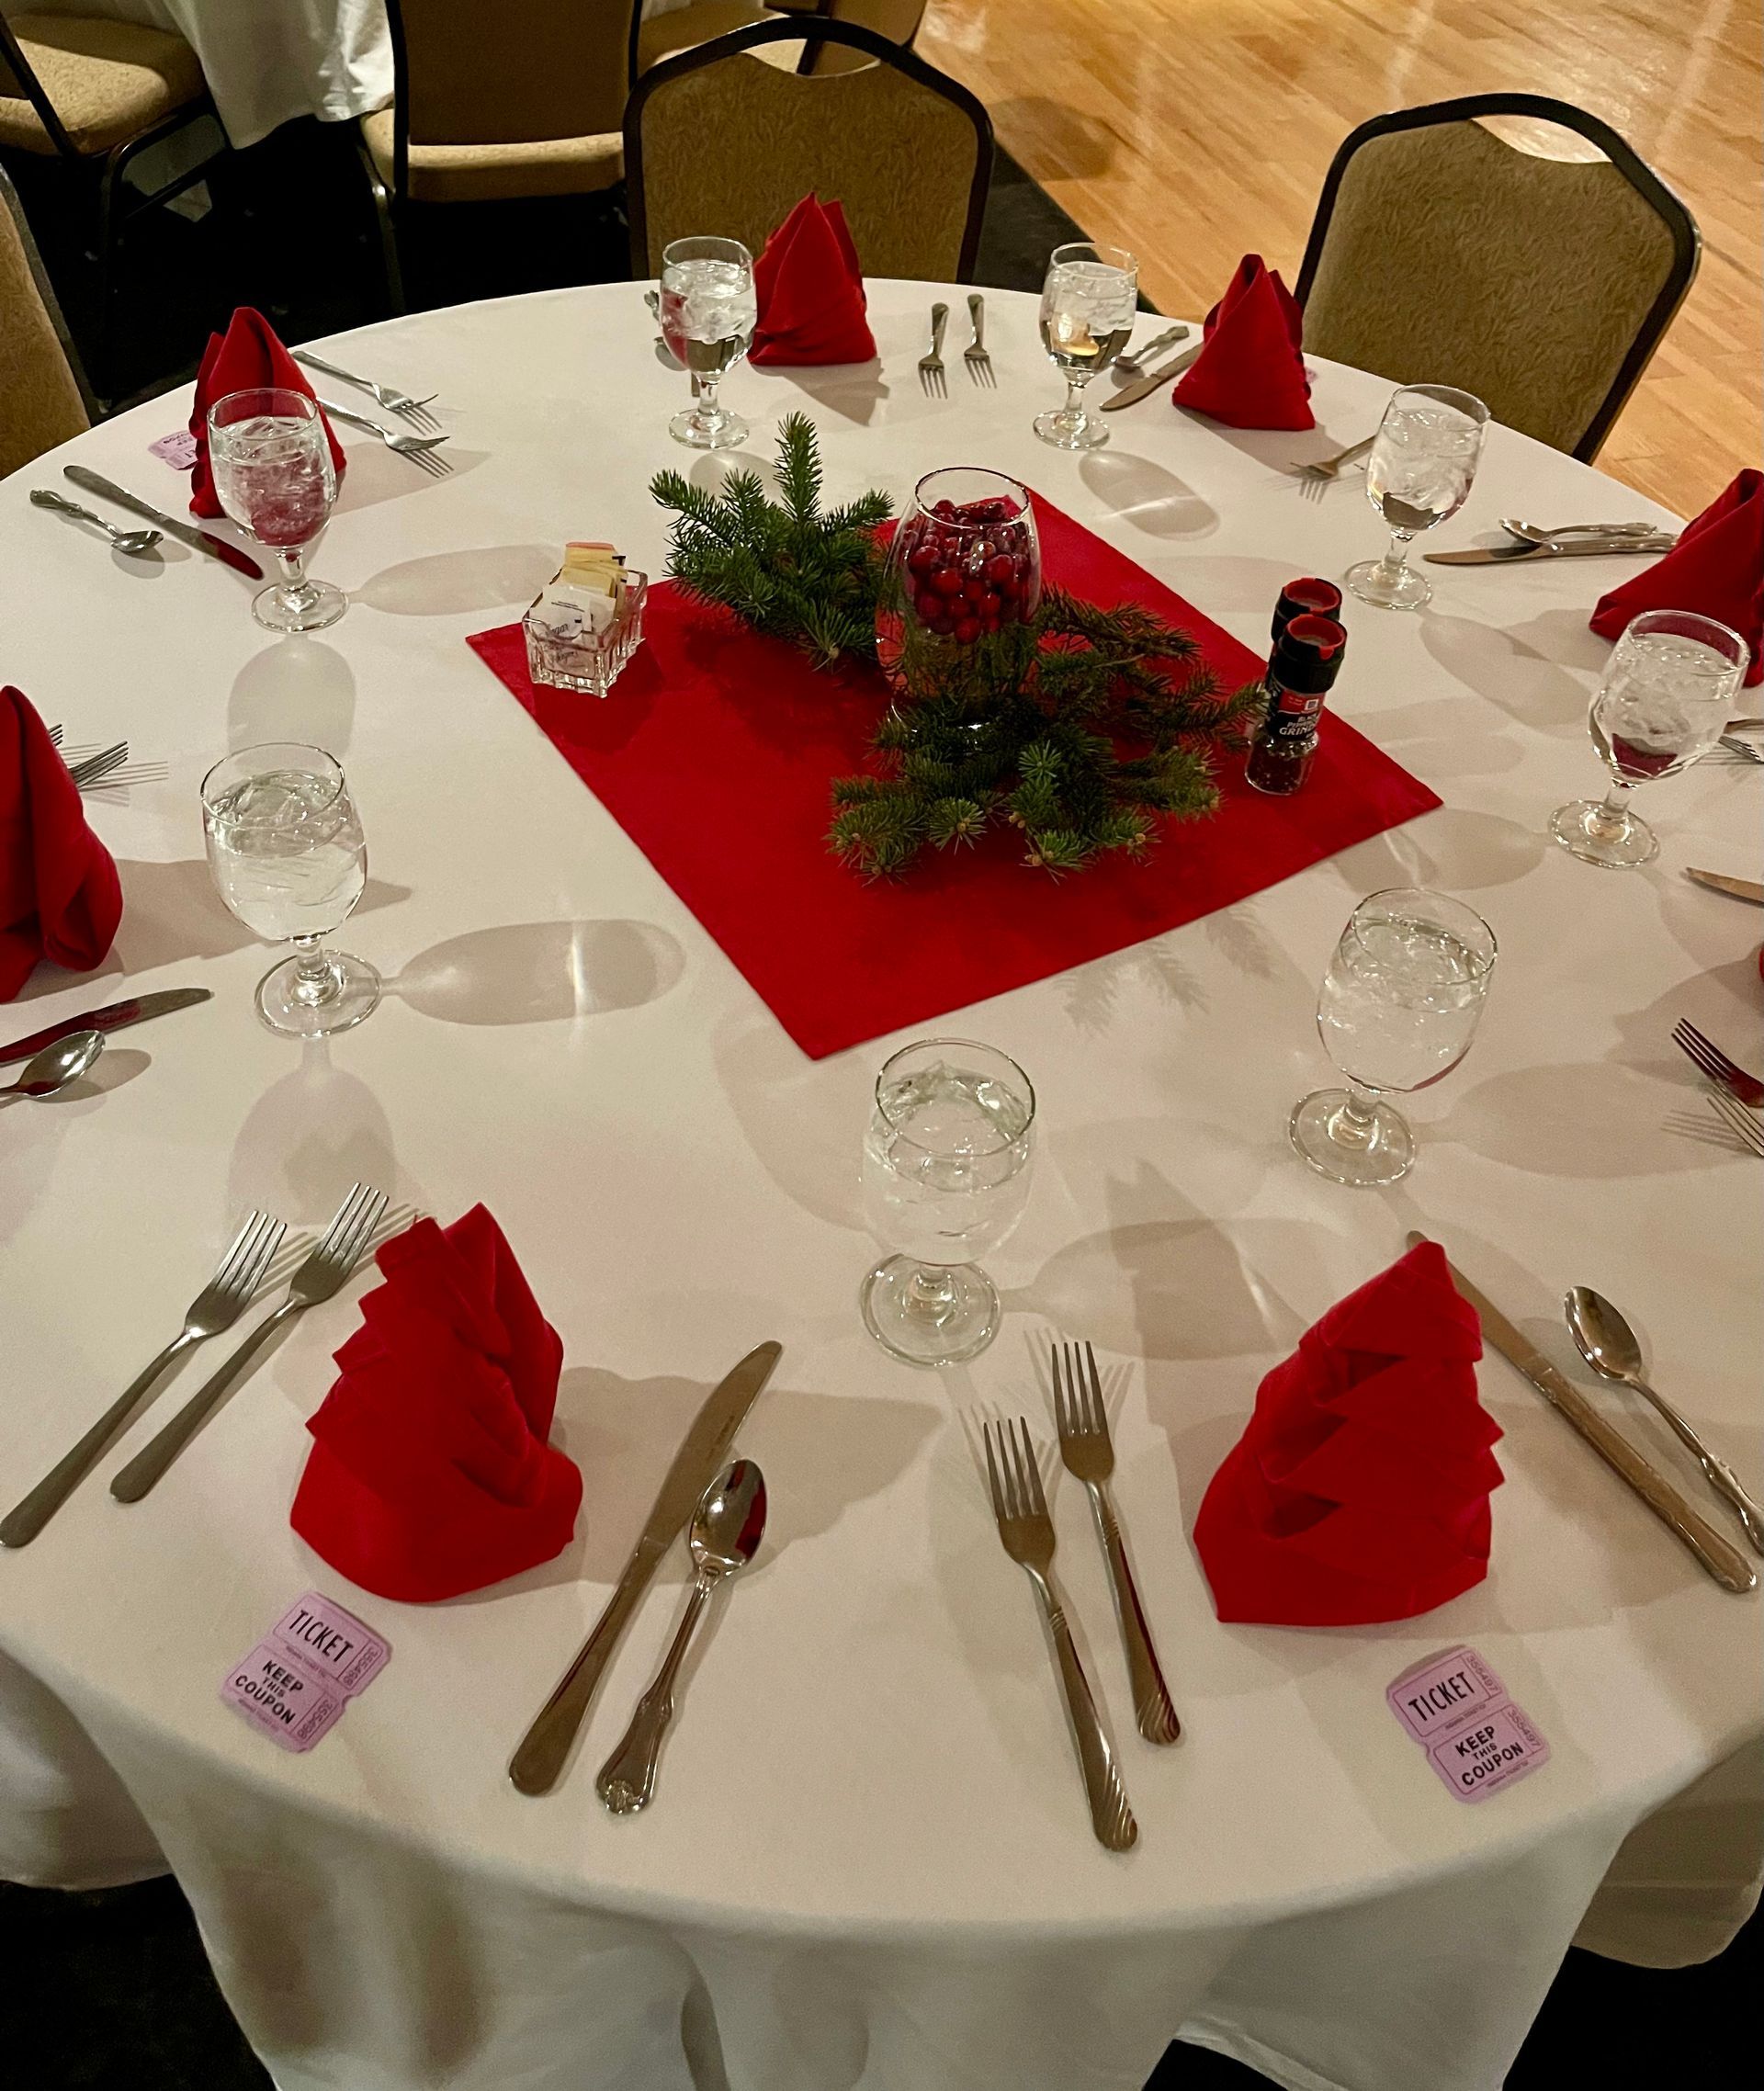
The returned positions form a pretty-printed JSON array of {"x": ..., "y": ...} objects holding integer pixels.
[{"x": 870, "y": 1865}]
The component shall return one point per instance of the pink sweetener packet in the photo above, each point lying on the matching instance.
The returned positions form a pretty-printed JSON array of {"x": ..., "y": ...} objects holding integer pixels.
[
  {"x": 292, "y": 1707},
  {"x": 1480, "y": 1760},
  {"x": 178, "y": 450},
  {"x": 331, "y": 1643},
  {"x": 1433, "y": 1700}
]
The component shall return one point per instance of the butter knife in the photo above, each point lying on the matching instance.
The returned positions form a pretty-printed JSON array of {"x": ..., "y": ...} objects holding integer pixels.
[
  {"x": 1592, "y": 548},
  {"x": 1144, "y": 387},
  {"x": 1727, "y": 1563},
  {"x": 538, "y": 1762},
  {"x": 114, "y": 1016},
  {"x": 186, "y": 532},
  {"x": 1719, "y": 882}
]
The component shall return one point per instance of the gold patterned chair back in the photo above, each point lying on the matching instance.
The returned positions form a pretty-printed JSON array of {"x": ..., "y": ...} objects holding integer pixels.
[
  {"x": 40, "y": 403},
  {"x": 516, "y": 72},
  {"x": 721, "y": 141},
  {"x": 1538, "y": 283}
]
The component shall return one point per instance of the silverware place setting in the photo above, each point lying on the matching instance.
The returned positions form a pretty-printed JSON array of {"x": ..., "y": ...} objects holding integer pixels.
[
  {"x": 1598, "y": 545},
  {"x": 132, "y": 544},
  {"x": 725, "y": 1534},
  {"x": 1709, "y": 1059},
  {"x": 1317, "y": 476},
  {"x": 214, "y": 1310},
  {"x": 48, "y": 1072},
  {"x": 423, "y": 451},
  {"x": 1027, "y": 1533},
  {"x": 931, "y": 365},
  {"x": 114, "y": 1016},
  {"x": 94, "y": 769},
  {"x": 1153, "y": 380},
  {"x": 186, "y": 532},
  {"x": 415, "y": 411},
  {"x": 1133, "y": 360},
  {"x": 324, "y": 1273},
  {"x": 1608, "y": 1344},
  {"x": 979, "y": 364}
]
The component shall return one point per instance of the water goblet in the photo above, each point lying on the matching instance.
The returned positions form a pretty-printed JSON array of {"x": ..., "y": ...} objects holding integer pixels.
[
  {"x": 287, "y": 856},
  {"x": 270, "y": 455},
  {"x": 946, "y": 1168},
  {"x": 1398, "y": 1009},
  {"x": 1663, "y": 703},
  {"x": 1422, "y": 463},
  {"x": 1088, "y": 304},
  {"x": 709, "y": 312}
]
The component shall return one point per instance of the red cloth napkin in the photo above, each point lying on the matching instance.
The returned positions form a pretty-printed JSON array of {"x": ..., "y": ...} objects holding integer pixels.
[
  {"x": 249, "y": 355},
  {"x": 59, "y": 893},
  {"x": 1715, "y": 568},
  {"x": 810, "y": 292},
  {"x": 430, "y": 1474},
  {"x": 1360, "y": 1490},
  {"x": 1249, "y": 373}
]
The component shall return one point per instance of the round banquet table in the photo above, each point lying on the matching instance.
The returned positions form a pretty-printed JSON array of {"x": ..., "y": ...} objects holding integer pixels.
[{"x": 869, "y": 1865}]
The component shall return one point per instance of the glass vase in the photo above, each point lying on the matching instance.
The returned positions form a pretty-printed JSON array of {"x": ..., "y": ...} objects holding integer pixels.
[{"x": 965, "y": 565}]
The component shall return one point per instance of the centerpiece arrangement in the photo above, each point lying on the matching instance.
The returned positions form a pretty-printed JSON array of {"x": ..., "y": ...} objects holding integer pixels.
[{"x": 1012, "y": 705}]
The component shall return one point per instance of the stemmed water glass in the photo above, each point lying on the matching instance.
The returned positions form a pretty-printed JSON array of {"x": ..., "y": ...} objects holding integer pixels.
[
  {"x": 1667, "y": 694},
  {"x": 708, "y": 314},
  {"x": 270, "y": 455},
  {"x": 1398, "y": 1009},
  {"x": 1422, "y": 463},
  {"x": 946, "y": 1167},
  {"x": 1088, "y": 304},
  {"x": 286, "y": 853}
]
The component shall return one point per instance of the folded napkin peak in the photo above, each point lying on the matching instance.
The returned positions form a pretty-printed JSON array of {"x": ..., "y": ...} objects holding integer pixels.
[
  {"x": 430, "y": 1473},
  {"x": 59, "y": 898},
  {"x": 248, "y": 355},
  {"x": 1359, "y": 1490},
  {"x": 809, "y": 288},
  {"x": 1715, "y": 568},
  {"x": 1249, "y": 373}
]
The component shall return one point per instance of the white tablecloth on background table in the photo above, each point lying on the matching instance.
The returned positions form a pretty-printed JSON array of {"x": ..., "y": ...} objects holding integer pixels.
[{"x": 870, "y": 1866}]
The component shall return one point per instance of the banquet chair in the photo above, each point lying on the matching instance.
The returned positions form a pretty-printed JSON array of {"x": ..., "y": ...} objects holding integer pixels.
[
  {"x": 1536, "y": 263},
  {"x": 98, "y": 95},
  {"x": 526, "y": 103},
  {"x": 43, "y": 396},
  {"x": 682, "y": 27},
  {"x": 716, "y": 141}
]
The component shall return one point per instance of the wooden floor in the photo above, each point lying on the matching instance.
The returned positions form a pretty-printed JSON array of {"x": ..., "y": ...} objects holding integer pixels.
[{"x": 1195, "y": 130}]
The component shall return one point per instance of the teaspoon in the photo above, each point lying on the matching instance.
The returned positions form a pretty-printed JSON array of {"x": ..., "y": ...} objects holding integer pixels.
[
  {"x": 1540, "y": 534},
  {"x": 57, "y": 1064},
  {"x": 135, "y": 543},
  {"x": 1608, "y": 1344}
]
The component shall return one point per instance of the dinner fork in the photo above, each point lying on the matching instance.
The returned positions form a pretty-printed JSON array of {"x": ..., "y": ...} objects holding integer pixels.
[
  {"x": 419, "y": 449},
  {"x": 1089, "y": 1454},
  {"x": 95, "y": 767},
  {"x": 1709, "y": 1059},
  {"x": 214, "y": 1309},
  {"x": 1743, "y": 748},
  {"x": 931, "y": 367},
  {"x": 1021, "y": 1508},
  {"x": 394, "y": 401},
  {"x": 1324, "y": 469},
  {"x": 1737, "y": 1119},
  {"x": 322, "y": 1274},
  {"x": 979, "y": 364}
]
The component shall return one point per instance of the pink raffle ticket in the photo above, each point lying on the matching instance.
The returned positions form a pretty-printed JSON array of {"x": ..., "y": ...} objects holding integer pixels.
[
  {"x": 294, "y": 1683},
  {"x": 1457, "y": 1710}
]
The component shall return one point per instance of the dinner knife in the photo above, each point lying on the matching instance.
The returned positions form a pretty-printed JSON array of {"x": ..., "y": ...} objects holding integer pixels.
[
  {"x": 1727, "y": 1563},
  {"x": 1143, "y": 388},
  {"x": 1719, "y": 882},
  {"x": 1592, "y": 548},
  {"x": 186, "y": 532},
  {"x": 538, "y": 1762},
  {"x": 114, "y": 1016}
]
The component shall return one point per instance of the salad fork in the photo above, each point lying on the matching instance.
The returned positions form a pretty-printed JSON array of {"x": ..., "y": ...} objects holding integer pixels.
[
  {"x": 419, "y": 449},
  {"x": 1737, "y": 1119},
  {"x": 931, "y": 367},
  {"x": 96, "y": 767},
  {"x": 394, "y": 401},
  {"x": 1088, "y": 1452},
  {"x": 979, "y": 364},
  {"x": 214, "y": 1309},
  {"x": 1742, "y": 749},
  {"x": 1324, "y": 469},
  {"x": 1020, "y": 1506},
  {"x": 1710, "y": 1061},
  {"x": 324, "y": 1271}
]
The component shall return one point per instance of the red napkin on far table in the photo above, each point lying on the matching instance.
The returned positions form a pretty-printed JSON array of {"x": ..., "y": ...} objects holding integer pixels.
[
  {"x": 1715, "y": 568},
  {"x": 1360, "y": 1490},
  {"x": 1249, "y": 373},
  {"x": 249, "y": 355},
  {"x": 59, "y": 893},
  {"x": 430, "y": 1474},
  {"x": 810, "y": 290}
]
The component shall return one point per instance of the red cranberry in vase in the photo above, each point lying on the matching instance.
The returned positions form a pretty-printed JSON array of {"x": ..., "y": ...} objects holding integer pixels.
[{"x": 966, "y": 563}]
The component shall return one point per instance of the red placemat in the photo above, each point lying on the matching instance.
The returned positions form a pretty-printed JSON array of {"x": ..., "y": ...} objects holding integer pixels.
[{"x": 715, "y": 753}]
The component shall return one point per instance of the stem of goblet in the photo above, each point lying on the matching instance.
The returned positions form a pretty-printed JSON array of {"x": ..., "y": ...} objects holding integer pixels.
[
  {"x": 1074, "y": 408},
  {"x": 709, "y": 413},
  {"x": 930, "y": 1292},
  {"x": 1611, "y": 819},
  {"x": 1354, "y": 1122},
  {"x": 297, "y": 592},
  {"x": 315, "y": 979},
  {"x": 1396, "y": 559}
]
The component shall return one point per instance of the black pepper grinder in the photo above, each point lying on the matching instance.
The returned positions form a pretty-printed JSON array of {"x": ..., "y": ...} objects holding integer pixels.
[{"x": 1301, "y": 670}]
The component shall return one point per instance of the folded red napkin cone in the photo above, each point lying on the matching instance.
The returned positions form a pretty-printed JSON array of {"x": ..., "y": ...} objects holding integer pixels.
[
  {"x": 59, "y": 893},
  {"x": 1249, "y": 373},
  {"x": 1715, "y": 568},
  {"x": 247, "y": 356},
  {"x": 1360, "y": 1490},
  {"x": 430, "y": 1474},
  {"x": 810, "y": 291}
]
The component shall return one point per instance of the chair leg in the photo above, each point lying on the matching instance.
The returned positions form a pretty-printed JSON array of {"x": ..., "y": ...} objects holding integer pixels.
[{"x": 387, "y": 232}]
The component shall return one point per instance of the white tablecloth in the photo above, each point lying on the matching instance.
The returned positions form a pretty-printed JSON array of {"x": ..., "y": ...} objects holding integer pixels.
[{"x": 870, "y": 1866}]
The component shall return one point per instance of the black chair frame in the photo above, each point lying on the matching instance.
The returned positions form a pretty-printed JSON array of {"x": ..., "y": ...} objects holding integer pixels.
[
  {"x": 107, "y": 170},
  {"x": 825, "y": 31},
  {"x": 1687, "y": 241}
]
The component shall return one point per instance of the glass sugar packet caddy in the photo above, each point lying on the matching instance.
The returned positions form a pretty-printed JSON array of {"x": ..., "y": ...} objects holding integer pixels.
[{"x": 586, "y": 622}]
